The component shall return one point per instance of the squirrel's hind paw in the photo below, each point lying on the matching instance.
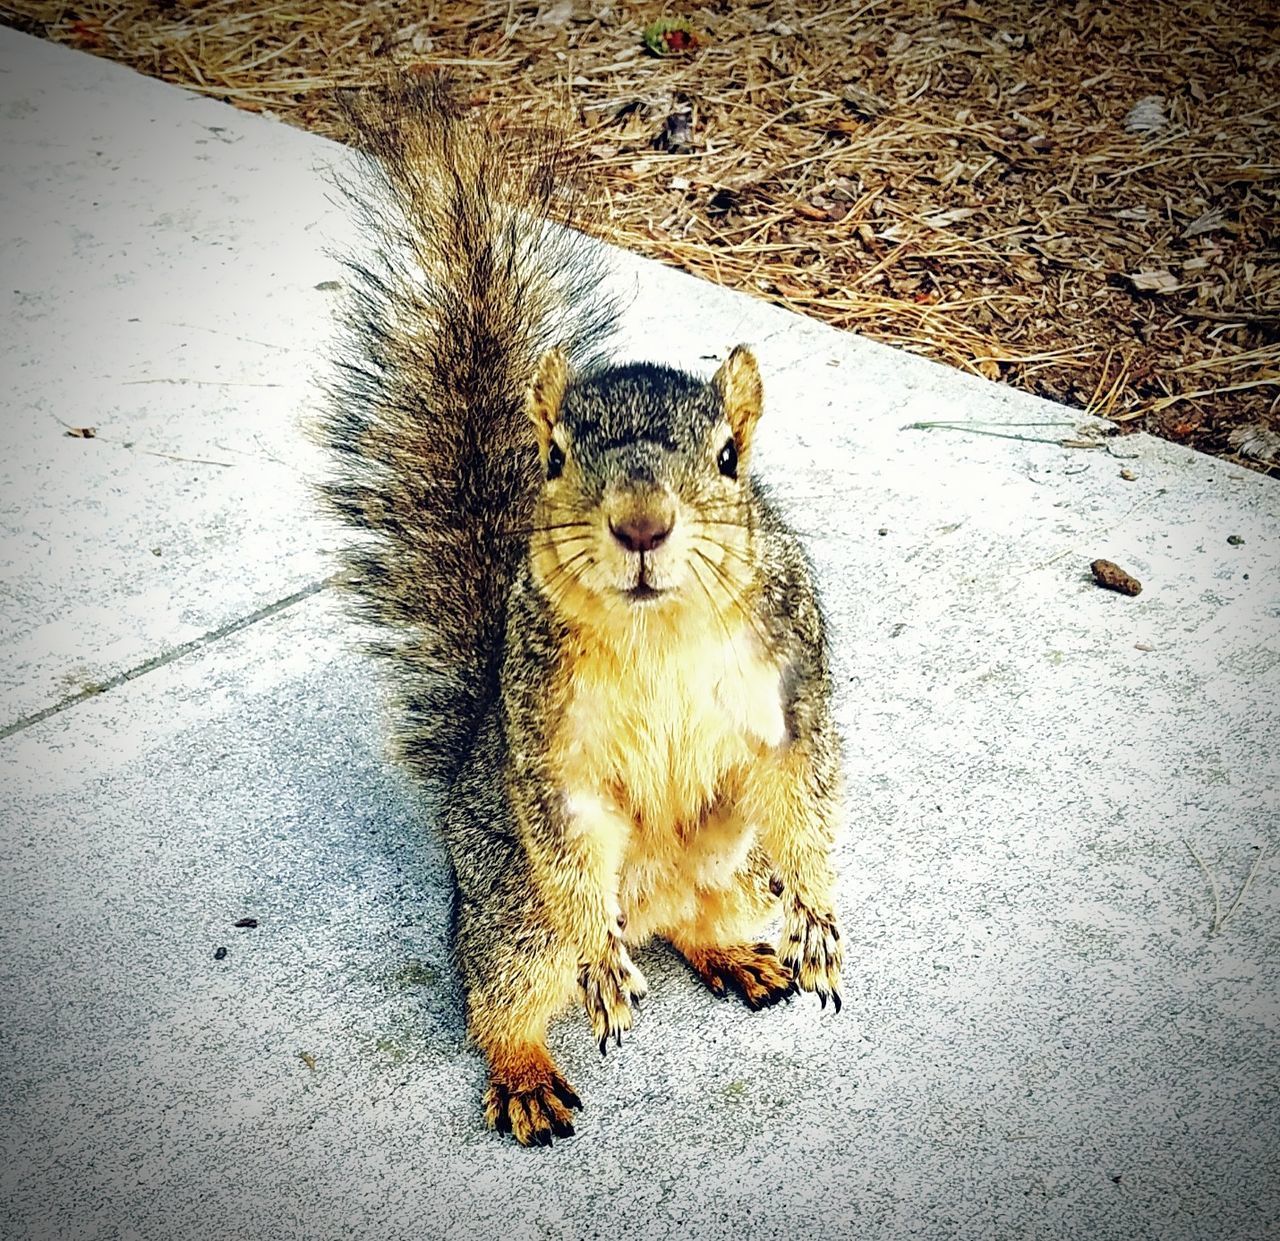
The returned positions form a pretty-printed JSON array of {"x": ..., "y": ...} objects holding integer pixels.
[
  {"x": 534, "y": 1113},
  {"x": 752, "y": 970},
  {"x": 609, "y": 988}
]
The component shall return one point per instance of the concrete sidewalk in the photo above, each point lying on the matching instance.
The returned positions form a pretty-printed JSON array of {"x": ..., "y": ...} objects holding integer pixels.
[{"x": 1041, "y": 1037}]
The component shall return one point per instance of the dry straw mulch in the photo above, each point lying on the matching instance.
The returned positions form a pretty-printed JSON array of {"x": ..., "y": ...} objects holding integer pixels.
[{"x": 1077, "y": 199}]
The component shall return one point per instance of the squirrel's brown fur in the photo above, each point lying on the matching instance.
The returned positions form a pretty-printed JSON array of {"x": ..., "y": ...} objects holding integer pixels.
[{"x": 606, "y": 640}]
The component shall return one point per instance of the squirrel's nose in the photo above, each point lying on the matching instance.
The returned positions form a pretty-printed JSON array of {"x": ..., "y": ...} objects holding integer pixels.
[{"x": 641, "y": 533}]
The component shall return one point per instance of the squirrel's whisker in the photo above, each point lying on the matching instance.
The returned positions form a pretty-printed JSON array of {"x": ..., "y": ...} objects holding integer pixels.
[
  {"x": 713, "y": 521},
  {"x": 568, "y": 541},
  {"x": 720, "y": 617},
  {"x": 557, "y": 583},
  {"x": 565, "y": 566},
  {"x": 562, "y": 525},
  {"x": 748, "y": 613},
  {"x": 704, "y": 541},
  {"x": 718, "y": 613},
  {"x": 740, "y": 525},
  {"x": 728, "y": 550}
]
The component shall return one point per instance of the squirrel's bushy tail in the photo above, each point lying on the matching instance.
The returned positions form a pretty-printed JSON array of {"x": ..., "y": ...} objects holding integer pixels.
[{"x": 463, "y": 281}]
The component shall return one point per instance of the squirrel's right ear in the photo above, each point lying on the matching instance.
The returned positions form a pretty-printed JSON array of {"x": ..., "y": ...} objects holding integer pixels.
[{"x": 546, "y": 392}]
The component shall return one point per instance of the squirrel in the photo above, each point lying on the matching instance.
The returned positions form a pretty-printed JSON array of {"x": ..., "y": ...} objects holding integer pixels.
[{"x": 605, "y": 643}]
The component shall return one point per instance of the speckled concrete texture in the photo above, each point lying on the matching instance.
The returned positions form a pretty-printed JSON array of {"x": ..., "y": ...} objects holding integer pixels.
[
  {"x": 1041, "y": 1037},
  {"x": 145, "y": 297}
]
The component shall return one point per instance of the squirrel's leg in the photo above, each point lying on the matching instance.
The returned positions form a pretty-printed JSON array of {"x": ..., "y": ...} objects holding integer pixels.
[
  {"x": 793, "y": 795},
  {"x": 577, "y": 874},
  {"x": 518, "y": 974},
  {"x": 721, "y": 941}
]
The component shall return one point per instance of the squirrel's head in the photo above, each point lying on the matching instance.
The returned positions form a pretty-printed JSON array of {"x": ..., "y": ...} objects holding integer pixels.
[{"x": 645, "y": 504}]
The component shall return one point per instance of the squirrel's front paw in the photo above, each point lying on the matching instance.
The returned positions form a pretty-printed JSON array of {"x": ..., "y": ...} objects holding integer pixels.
[
  {"x": 811, "y": 951},
  {"x": 609, "y": 987}
]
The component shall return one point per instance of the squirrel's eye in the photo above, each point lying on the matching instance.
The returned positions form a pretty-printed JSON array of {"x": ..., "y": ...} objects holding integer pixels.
[
  {"x": 728, "y": 459},
  {"x": 555, "y": 460}
]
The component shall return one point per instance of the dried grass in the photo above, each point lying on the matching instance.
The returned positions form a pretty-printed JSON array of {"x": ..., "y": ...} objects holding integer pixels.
[{"x": 954, "y": 178}]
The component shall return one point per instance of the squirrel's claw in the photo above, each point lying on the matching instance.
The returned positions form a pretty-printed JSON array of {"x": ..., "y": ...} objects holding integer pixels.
[{"x": 604, "y": 1040}]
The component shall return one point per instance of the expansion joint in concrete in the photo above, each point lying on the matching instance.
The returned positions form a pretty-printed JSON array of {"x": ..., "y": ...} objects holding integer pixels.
[{"x": 168, "y": 657}]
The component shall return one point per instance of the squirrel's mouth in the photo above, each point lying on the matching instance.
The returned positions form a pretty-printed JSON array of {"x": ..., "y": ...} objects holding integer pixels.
[{"x": 642, "y": 592}]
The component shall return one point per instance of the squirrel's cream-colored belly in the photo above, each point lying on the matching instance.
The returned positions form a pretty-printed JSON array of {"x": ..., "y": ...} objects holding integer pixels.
[{"x": 652, "y": 752}]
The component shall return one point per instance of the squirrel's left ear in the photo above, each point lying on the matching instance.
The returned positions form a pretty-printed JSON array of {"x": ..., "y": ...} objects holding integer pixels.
[
  {"x": 738, "y": 382},
  {"x": 546, "y": 392}
]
